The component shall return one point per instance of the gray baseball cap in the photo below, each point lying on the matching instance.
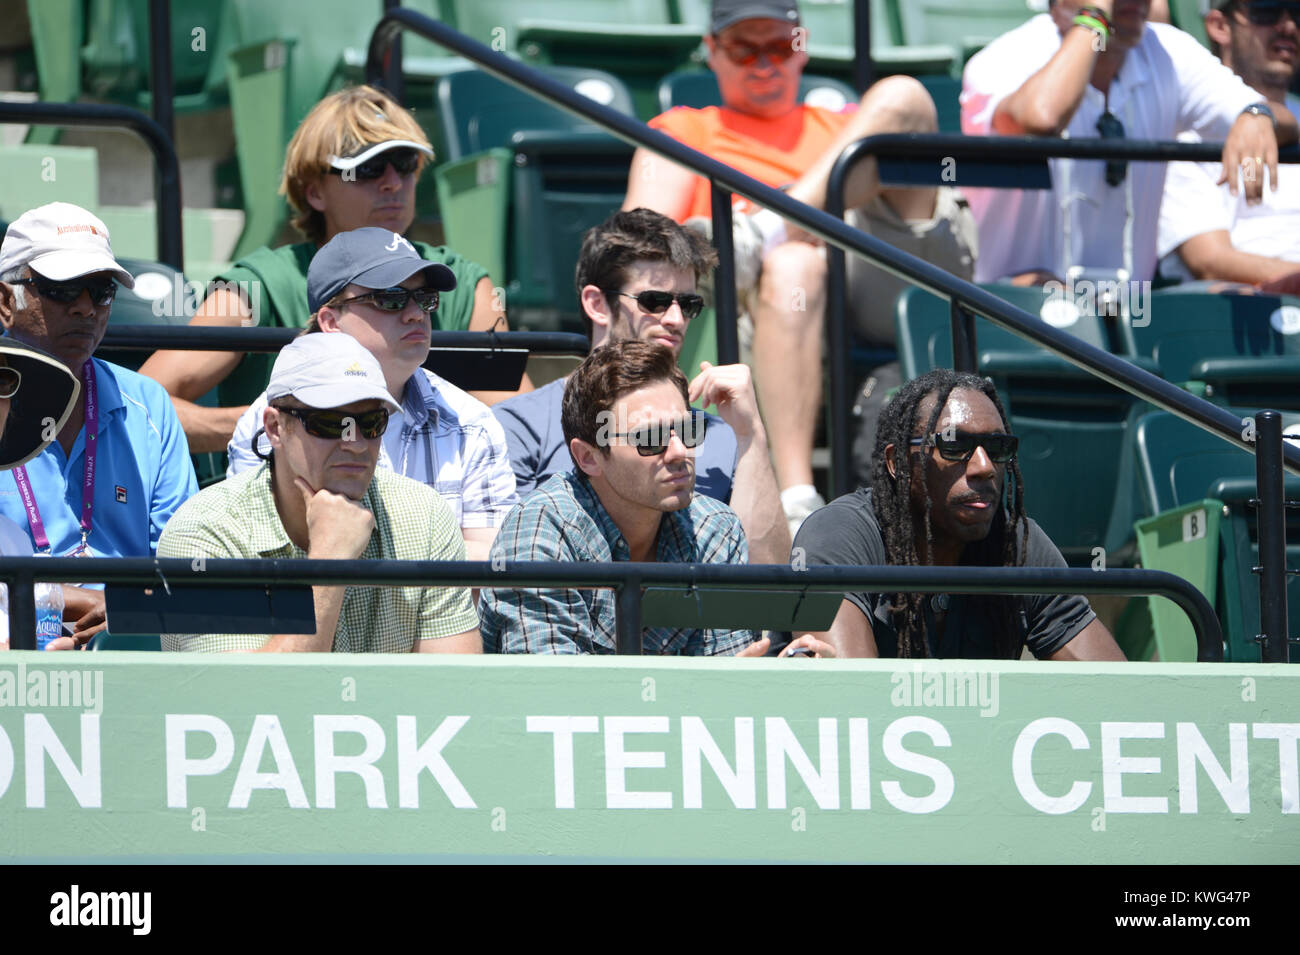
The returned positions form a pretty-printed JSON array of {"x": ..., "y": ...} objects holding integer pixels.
[
  {"x": 727, "y": 12},
  {"x": 328, "y": 370},
  {"x": 371, "y": 258}
]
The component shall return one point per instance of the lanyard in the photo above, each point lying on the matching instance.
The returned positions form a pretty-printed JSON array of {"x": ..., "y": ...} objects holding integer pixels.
[{"x": 88, "y": 480}]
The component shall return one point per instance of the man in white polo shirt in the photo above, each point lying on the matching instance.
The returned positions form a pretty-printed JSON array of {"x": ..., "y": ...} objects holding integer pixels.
[
  {"x": 1084, "y": 71},
  {"x": 371, "y": 284},
  {"x": 1205, "y": 231}
]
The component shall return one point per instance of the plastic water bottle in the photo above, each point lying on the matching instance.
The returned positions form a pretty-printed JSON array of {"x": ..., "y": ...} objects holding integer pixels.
[{"x": 49, "y": 614}]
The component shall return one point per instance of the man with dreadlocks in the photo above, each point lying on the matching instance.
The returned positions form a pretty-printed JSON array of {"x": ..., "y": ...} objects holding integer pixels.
[{"x": 940, "y": 496}]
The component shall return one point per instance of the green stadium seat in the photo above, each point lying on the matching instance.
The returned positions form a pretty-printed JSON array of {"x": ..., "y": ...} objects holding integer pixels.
[
  {"x": 1197, "y": 485},
  {"x": 699, "y": 88},
  {"x": 525, "y": 183},
  {"x": 58, "y": 27},
  {"x": 1242, "y": 350},
  {"x": 32, "y": 174},
  {"x": 1187, "y": 16},
  {"x": 637, "y": 40},
  {"x": 1075, "y": 446},
  {"x": 964, "y": 25}
]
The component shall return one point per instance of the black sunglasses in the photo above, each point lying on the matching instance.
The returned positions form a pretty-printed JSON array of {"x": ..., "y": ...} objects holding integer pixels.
[
  {"x": 405, "y": 161},
  {"x": 651, "y": 439},
  {"x": 65, "y": 293},
  {"x": 1000, "y": 448},
  {"x": 656, "y": 303},
  {"x": 1267, "y": 13},
  {"x": 395, "y": 299},
  {"x": 333, "y": 424},
  {"x": 1109, "y": 127},
  {"x": 10, "y": 379}
]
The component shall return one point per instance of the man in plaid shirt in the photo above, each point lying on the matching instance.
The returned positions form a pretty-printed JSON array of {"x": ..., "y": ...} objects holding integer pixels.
[{"x": 630, "y": 496}]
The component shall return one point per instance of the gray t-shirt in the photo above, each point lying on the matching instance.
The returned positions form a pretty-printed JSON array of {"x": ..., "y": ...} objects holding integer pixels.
[
  {"x": 535, "y": 440},
  {"x": 846, "y": 532}
]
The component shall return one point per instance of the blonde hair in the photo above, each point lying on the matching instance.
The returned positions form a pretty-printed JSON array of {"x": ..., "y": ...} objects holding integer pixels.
[{"x": 342, "y": 124}]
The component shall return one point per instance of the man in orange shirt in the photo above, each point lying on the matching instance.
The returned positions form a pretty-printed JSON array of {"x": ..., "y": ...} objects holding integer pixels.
[{"x": 756, "y": 49}]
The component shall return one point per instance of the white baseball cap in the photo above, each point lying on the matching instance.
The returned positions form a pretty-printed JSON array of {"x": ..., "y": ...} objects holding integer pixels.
[
  {"x": 328, "y": 370},
  {"x": 61, "y": 242},
  {"x": 351, "y": 162}
]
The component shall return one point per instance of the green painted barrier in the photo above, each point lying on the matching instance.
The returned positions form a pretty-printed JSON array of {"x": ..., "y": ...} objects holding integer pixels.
[{"x": 228, "y": 758}]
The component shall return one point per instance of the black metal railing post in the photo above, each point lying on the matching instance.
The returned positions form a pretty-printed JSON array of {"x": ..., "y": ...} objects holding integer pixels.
[
  {"x": 394, "y": 81},
  {"x": 839, "y": 346},
  {"x": 627, "y": 618},
  {"x": 964, "y": 355},
  {"x": 864, "y": 69},
  {"x": 22, "y": 610},
  {"x": 1271, "y": 520},
  {"x": 160, "y": 65},
  {"x": 724, "y": 281}
]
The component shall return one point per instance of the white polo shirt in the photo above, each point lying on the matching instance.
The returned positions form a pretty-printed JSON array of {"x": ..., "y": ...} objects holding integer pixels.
[
  {"x": 1168, "y": 84},
  {"x": 1194, "y": 205}
]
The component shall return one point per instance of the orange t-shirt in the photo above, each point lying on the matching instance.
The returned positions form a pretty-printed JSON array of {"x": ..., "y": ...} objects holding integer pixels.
[{"x": 773, "y": 151}]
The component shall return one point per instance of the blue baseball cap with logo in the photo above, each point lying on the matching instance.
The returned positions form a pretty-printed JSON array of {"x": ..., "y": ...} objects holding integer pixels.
[{"x": 372, "y": 258}]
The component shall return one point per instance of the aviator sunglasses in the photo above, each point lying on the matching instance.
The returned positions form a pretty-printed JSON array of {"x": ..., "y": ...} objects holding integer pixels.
[
  {"x": 747, "y": 54},
  {"x": 101, "y": 291},
  {"x": 405, "y": 161},
  {"x": 651, "y": 439},
  {"x": 394, "y": 299},
  {"x": 1000, "y": 448},
  {"x": 656, "y": 303},
  {"x": 332, "y": 424},
  {"x": 10, "y": 379},
  {"x": 1268, "y": 13}
]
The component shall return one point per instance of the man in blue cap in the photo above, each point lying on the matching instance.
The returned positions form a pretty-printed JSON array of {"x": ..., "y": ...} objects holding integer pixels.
[{"x": 372, "y": 284}]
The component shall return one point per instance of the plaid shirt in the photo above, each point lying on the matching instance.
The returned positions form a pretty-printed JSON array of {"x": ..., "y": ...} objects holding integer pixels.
[
  {"x": 237, "y": 518},
  {"x": 563, "y": 520},
  {"x": 450, "y": 441}
]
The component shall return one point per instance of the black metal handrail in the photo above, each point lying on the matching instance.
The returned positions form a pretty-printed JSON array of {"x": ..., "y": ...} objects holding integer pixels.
[
  {"x": 218, "y": 338},
  {"x": 167, "y": 180},
  {"x": 829, "y": 227},
  {"x": 624, "y": 577}
]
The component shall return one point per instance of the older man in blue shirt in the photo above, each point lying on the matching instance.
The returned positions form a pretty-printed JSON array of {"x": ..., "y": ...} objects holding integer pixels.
[{"x": 120, "y": 464}]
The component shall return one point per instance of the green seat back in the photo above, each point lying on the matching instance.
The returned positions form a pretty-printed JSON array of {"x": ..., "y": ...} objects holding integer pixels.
[
  {"x": 1245, "y": 348},
  {"x": 637, "y": 40},
  {"x": 32, "y": 174},
  {"x": 965, "y": 25},
  {"x": 1181, "y": 465},
  {"x": 1074, "y": 429},
  {"x": 58, "y": 28},
  {"x": 127, "y": 641},
  {"x": 1187, "y": 16},
  {"x": 477, "y": 111},
  {"x": 526, "y": 183}
]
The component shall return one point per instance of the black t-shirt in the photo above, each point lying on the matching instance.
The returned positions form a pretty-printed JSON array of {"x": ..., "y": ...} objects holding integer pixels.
[{"x": 846, "y": 532}]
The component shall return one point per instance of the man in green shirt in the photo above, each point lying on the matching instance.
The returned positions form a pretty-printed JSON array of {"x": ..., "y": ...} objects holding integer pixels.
[
  {"x": 354, "y": 162},
  {"x": 320, "y": 496}
]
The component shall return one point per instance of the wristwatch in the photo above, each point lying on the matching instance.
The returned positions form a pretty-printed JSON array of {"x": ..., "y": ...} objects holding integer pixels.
[{"x": 1260, "y": 109}]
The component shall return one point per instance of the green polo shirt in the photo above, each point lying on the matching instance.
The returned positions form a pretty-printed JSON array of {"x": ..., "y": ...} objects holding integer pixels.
[{"x": 237, "y": 518}]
